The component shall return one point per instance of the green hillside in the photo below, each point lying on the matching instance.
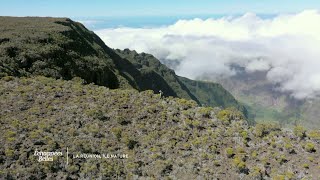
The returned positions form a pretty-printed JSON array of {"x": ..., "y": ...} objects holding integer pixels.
[
  {"x": 55, "y": 47},
  {"x": 204, "y": 93},
  {"x": 150, "y": 67},
  {"x": 162, "y": 138},
  {"x": 213, "y": 94},
  {"x": 62, "y": 48}
]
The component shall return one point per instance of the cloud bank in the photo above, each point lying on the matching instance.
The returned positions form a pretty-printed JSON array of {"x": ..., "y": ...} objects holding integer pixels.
[{"x": 286, "y": 46}]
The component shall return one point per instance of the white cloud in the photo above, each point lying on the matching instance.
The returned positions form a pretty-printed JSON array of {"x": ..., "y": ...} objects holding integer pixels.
[
  {"x": 257, "y": 65},
  {"x": 287, "y": 46}
]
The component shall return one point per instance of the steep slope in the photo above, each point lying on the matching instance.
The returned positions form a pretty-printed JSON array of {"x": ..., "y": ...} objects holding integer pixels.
[
  {"x": 204, "y": 93},
  {"x": 310, "y": 113},
  {"x": 213, "y": 94},
  {"x": 55, "y": 47},
  {"x": 61, "y": 48},
  {"x": 150, "y": 66},
  {"x": 152, "y": 137}
]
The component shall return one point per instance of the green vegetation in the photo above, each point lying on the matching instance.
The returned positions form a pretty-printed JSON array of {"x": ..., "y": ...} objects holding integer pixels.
[
  {"x": 213, "y": 94},
  {"x": 263, "y": 129},
  {"x": 299, "y": 131},
  {"x": 314, "y": 134},
  {"x": 229, "y": 152},
  {"x": 77, "y": 107},
  {"x": 159, "y": 135},
  {"x": 310, "y": 147},
  {"x": 62, "y": 48},
  {"x": 204, "y": 93},
  {"x": 229, "y": 114},
  {"x": 54, "y": 47}
]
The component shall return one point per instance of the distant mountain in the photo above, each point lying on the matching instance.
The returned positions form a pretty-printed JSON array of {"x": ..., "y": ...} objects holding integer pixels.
[
  {"x": 265, "y": 103},
  {"x": 62, "y": 48}
]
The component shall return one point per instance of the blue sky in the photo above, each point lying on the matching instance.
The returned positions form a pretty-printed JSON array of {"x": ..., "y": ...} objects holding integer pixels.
[{"x": 112, "y": 8}]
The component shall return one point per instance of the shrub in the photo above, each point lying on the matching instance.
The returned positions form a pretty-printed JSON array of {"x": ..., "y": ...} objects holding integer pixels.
[
  {"x": 256, "y": 172},
  {"x": 288, "y": 145},
  {"x": 311, "y": 159},
  {"x": 305, "y": 165},
  {"x": 263, "y": 129},
  {"x": 132, "y": 143},
  {"x": 230, "y": 152},
  {"x": 279, "y": 177},
  {"x": 8, "y": 78},
  {"x": 230, "y": 114},
  {"x": 314, "y": 134},
  {"x": 309, "y": 147},
  {"x": 254, "y": 154},
  {"x": 241, "y": 150},
  {"x": 289, "y": 175},
  {"x": 223, "y": 115},
  {"x": 299, "y": 131},
  {"x": 205, "y": 111},
  {"x": 216, "y": 163},
  {"x": 213, "y": 149},
  {"x": 196, "y": 142},
  {"x": 9, "y": 134},
  {"x": 244, "y": 134},
  {"x": 117, "y": 132},
  {"x": 282, "y": 159},
  {"x": 240, "y": 165},
  {"x": 186, "y": 104},
  {"x": 9, "y": 152},
  {"x": 237, "y": 160}
]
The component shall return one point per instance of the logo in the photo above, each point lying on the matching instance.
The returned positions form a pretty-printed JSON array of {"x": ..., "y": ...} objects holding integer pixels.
[{"x": 46, "y": 156}]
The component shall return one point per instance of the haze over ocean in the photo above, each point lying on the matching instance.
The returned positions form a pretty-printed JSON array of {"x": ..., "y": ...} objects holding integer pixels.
[{"x": 97, "y": 23}]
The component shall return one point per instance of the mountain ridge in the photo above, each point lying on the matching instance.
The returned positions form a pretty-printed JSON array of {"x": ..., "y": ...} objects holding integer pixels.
[{"x": 62, "y": 48}]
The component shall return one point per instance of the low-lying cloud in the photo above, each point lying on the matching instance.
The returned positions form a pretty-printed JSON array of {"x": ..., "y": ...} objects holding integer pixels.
[{"x": 286, "y": 46}]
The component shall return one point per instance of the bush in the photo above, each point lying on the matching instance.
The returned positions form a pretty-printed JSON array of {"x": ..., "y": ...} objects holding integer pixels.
[
  {"x": 205, "y": 111},
  {"x": 240, "y": 165},
  {"x": 305, "y": 165},
  {"x": 229, "y": 114},
  {"x": 132, "y": 143},
  {"x": 314, "y": 134},
  {"x": 263, "y": 129},
  {"x": 241, "y": 150},
  {"x": 309, "y": 147},
  {"x": 9, "y": 152},
  {"x": 299, "y": 131},
  {"x": 244, "y": 134},
  {"x": 8, "y": 78},
  {"x": 230, "y": 152},
  {"x": 186, "y": 104},
  {"x": 254, "y": 154},
  {"x": 117, "y": 132},
  {"x": 216, "y": 163},
  {"x": 282, "y": 159}
]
